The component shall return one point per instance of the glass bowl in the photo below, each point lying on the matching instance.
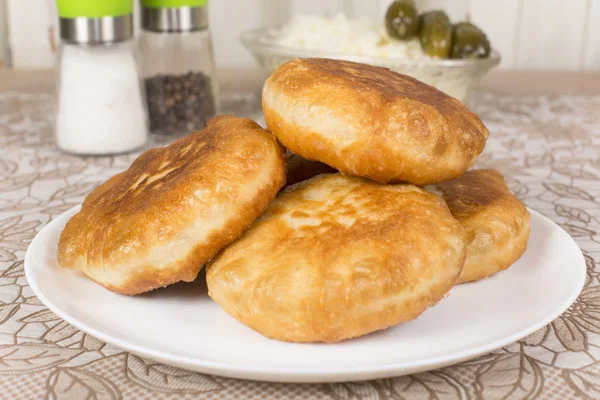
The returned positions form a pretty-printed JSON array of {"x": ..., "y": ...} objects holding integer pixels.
[{"x": 454, "y": 77}]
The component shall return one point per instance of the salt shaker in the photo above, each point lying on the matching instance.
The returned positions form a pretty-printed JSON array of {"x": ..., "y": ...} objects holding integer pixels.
[
  {"x": 178, "y": 66},
  {"x": 100, "y": 106}
]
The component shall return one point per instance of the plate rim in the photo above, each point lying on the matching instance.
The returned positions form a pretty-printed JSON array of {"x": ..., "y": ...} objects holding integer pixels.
[{"x": 303, "y": 374}]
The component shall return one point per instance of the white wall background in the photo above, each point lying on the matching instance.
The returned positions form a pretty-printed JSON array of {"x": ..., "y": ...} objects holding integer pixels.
[{"x": 529, "y": 34}]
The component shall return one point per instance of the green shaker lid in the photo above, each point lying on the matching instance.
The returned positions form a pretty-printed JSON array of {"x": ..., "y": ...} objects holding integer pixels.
[
  {"x": 173, "y": 3},
  {"x": 93, "y": 8}
]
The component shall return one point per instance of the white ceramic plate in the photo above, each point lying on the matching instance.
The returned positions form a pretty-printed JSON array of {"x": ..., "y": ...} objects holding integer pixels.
[{"x": 182, "y": 326}]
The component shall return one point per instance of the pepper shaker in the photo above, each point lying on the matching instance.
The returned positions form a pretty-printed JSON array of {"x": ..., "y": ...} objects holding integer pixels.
[
  {"x": 178, "y": 66},
  {"x": 100, "y": 107}
]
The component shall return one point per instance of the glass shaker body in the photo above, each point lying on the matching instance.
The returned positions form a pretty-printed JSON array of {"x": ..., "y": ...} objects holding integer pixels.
[{"x": 179, "y": 78}]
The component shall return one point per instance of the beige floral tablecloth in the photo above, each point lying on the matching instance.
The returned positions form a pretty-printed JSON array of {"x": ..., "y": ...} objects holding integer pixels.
[{"x": 548, "y": 147}]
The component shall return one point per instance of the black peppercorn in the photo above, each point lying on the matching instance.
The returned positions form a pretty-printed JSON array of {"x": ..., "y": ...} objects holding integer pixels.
[{"x": 179, "y": 103}]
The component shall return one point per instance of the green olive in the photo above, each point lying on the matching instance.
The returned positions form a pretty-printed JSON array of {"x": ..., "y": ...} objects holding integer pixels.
[
  {"x": 402, "y": 20},
  {"x": 469, "y": 42},
  {"x": 436, "y": 34}
]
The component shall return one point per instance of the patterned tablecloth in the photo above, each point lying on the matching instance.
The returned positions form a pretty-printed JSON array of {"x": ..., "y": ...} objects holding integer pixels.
[{"x": 547, "y": 146}]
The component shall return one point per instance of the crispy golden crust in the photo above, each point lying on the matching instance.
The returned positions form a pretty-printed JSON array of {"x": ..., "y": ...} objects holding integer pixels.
[
  {"x": 338, "y": 257},
  {"x": 371, "y": 122},
  {"x": 495, "y": 221},
  {"x": 161, "y": 220},
  {"x": 300, "y": 169}
]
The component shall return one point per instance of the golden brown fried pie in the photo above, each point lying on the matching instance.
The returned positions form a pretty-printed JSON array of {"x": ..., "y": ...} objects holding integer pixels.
[
  {"x": 161, "y": 220},
  {"x": 371, "y": 122},
  {"x": 338, "y": 257},
  {"x": 495, "y": 221}
]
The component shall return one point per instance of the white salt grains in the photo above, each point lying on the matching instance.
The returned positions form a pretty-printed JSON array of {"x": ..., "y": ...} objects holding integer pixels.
[{"x": 100, "y": 108}]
